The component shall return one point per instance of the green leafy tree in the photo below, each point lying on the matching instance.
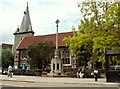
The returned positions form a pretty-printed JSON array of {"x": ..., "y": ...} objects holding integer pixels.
[
  {"x": 7, "y": 58},
  {"x": 97, "y": 31},
  {"x": 40, "y": 54},
  {"x": 108, "y": 36}
]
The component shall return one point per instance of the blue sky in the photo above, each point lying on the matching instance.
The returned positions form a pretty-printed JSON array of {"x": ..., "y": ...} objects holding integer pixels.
[{"x": 43, "y": 15}]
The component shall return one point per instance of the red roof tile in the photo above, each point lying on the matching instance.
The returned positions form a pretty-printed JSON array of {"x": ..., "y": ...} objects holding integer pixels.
[
  {"x": 28, "y": 40},
  {"x": 6, "y": 45}
]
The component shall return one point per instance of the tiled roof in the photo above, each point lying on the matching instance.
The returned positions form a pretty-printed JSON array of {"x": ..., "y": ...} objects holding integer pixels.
[
  {"x": 28, "y": 40},
  {"x": 6, "y": 45}
]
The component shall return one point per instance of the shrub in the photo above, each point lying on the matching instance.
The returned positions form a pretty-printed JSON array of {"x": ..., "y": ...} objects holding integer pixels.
[
  {"x": 58, "y": 74},
  {"x": 17, "y": 71},
  {"x": 101, "y": 70},
  {"x": 69, "y": 73},
  {"x": 65, "y": 69},
  {"x": 44, "y": 73}
]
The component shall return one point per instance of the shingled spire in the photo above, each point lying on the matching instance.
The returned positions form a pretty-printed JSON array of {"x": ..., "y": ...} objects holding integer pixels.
[{"x": 26, "y": 25}]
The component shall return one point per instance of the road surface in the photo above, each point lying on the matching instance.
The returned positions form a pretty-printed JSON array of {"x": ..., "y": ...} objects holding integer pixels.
[{"x": 60, "y": 83}]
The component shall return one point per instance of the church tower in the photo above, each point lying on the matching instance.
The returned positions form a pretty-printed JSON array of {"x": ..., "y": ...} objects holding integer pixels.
[{"x": 24, "y": 30}]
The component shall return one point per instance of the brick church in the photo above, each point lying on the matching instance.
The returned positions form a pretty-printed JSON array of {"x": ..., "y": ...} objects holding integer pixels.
[{"x": 24, "y": 36}]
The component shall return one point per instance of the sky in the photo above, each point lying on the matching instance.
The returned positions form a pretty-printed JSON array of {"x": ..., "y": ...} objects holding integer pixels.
[{"x": 43, "y": 14}]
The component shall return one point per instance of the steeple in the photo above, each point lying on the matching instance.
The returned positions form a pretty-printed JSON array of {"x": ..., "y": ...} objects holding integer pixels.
[{"x": 26, "y": 25}]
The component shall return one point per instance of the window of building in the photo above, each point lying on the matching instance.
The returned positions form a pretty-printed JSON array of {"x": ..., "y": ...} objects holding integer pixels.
[
  {"x": 57, "y": 66},
  {"x": 53, "y": 66},
  {"x": 66, "y": 60},
  {"x": 66, "y": 56},
  {"x": 24, "y": 54}
]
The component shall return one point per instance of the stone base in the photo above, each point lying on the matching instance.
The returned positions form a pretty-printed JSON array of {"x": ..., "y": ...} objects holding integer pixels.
[
  {"x": 56, "y": 62},
  {"x": 50, "y": 74}
]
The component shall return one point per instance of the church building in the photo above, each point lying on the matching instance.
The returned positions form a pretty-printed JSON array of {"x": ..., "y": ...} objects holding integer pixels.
[{"x": 24, "y": 36}]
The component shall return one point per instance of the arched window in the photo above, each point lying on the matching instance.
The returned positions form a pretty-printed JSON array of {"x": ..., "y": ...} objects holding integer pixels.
[{"x": 66, "y": 56}]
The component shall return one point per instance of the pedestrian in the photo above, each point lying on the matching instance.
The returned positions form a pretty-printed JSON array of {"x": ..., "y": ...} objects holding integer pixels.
[
  {"x": 23, "y": 69},
  {"x": 28, "y": 68},
  {"x": 78, "y": 75},
  {"x": 10, "y": 71},
  {"x": 81, "y": 74},
  {"x": 96, "y": 74}
]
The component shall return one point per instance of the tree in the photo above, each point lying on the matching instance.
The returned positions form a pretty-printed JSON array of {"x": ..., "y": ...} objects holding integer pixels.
[
  {"x": 7, "y": 58},
  {"x": 108, "y": 36},
  {"x": 98, "y": 30},
  {"x": 40, "y": 54}
]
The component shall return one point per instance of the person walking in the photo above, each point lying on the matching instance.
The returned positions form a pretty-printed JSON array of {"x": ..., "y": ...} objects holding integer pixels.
[
  {"x": 96, "y": 74},
  {"x": 10, "y": 71}
]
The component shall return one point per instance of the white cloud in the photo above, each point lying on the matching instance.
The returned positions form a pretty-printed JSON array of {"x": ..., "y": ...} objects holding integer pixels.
[{"x": 43, "y": 14}]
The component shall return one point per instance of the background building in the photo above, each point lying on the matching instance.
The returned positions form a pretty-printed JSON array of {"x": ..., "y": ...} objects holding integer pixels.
[
  {"x": 24, "y": 36},
  {"x": 7, "y": 46}
]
